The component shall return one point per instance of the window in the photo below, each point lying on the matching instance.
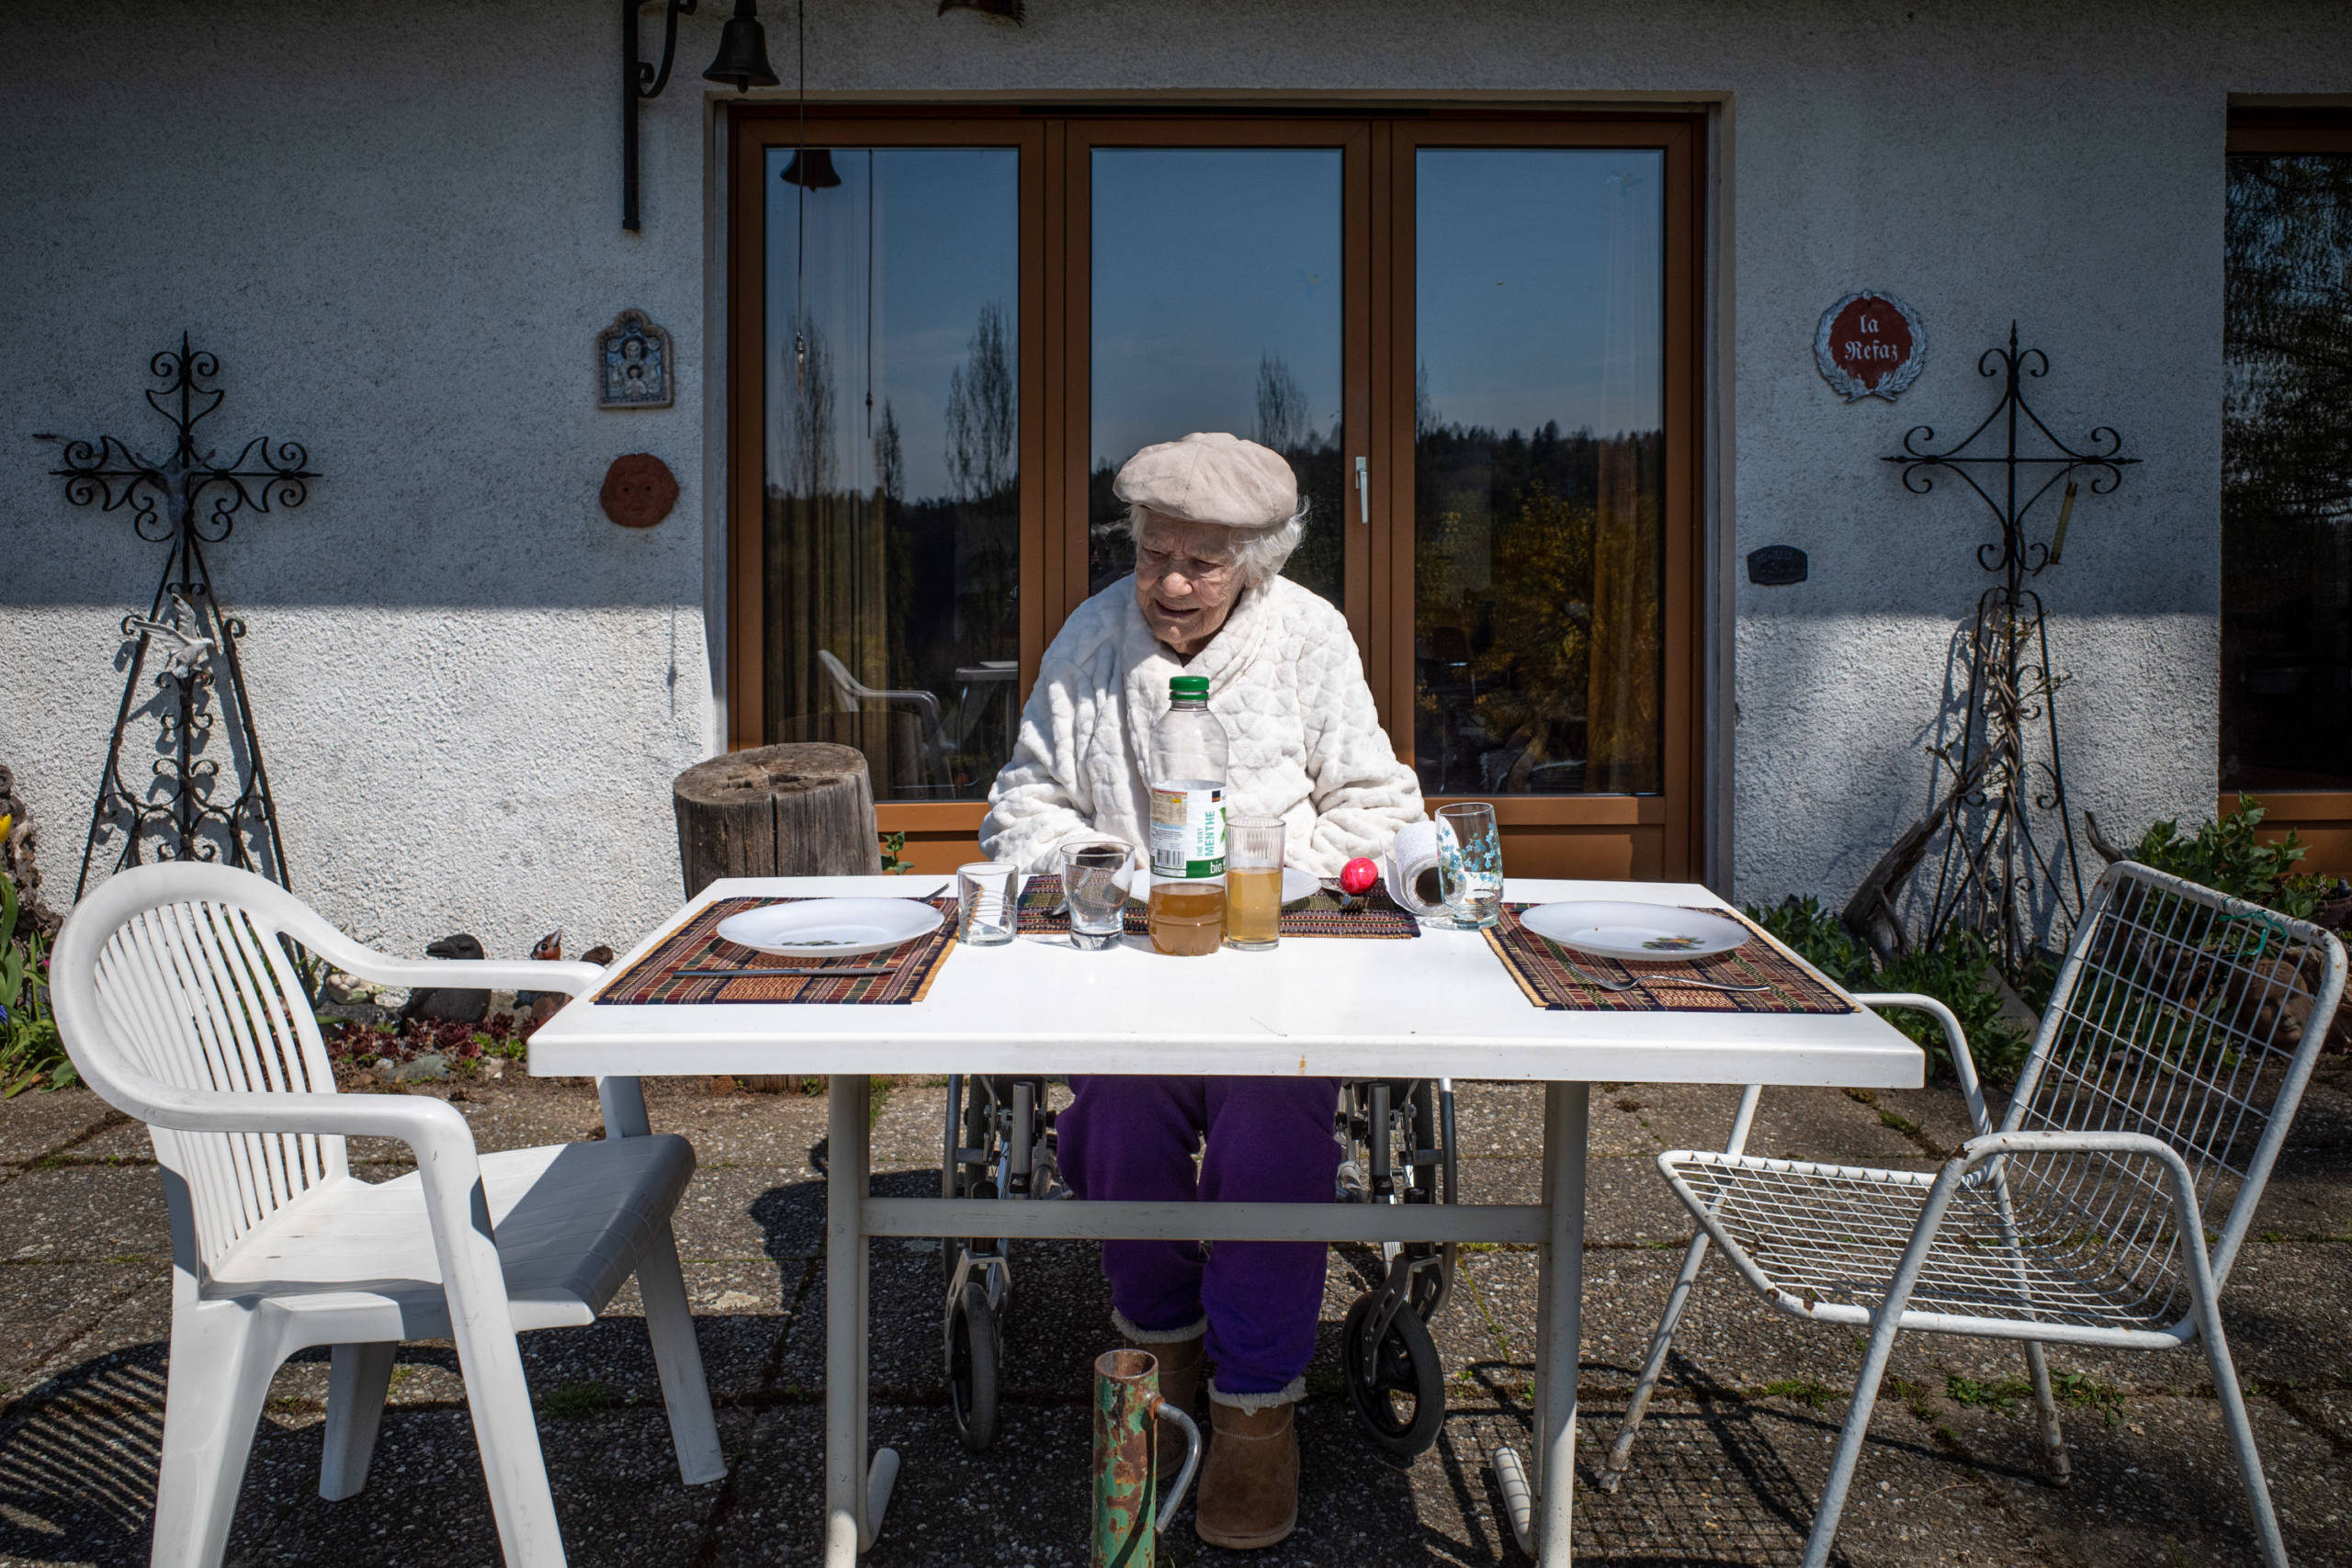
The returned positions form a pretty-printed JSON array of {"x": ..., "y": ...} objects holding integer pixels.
[
  {"x": 1472, "y": 335},
  {"x": 891, "y": 501},
  {"x": 2286, "y": 461}
]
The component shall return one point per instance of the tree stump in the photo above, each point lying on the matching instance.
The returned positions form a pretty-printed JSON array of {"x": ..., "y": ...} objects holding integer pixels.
[
  {"x": 805, "y": 809},
  {"x": 797, "y": 810}
]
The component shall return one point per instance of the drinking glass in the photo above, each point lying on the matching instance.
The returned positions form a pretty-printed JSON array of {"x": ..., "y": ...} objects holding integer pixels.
[
  {"x": 1470, "y": 864},
  {"x": 1253, "y": 882},
  {"x": 1186, "y": 918},
  {"x": 1095, "y": 879},
  {"x": 984, "y": 902}
]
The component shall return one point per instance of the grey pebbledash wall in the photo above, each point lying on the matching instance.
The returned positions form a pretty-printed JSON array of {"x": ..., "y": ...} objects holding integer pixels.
[{"x": 398, "y": 225}]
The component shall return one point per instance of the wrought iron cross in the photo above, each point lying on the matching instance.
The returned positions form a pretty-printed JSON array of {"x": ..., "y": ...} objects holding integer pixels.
[
  {"x": 189, "y": 500},
  {"x": 1998, "y": 876}
]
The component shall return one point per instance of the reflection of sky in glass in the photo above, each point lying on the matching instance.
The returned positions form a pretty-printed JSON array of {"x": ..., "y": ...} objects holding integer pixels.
[
  {"x": 945, "y": 242},
  {"x": 1206, "y": 261},
  {"x": 1539, "y": 285}
]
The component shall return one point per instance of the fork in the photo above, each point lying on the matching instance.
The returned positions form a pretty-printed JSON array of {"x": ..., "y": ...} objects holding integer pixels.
[{"x": 1600, "y": 985}]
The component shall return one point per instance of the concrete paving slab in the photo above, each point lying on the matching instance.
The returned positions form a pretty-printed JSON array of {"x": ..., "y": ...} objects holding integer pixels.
[
  {"x": 2161, "y": 1484},
  {"x": 123, "y": 1142},
  {"x": 77, "y": 1464},
  {"x": 1507, "y": 1118},
  {"x": 618, "y": 1498},
  {"x": 37, "y": 1123},
  {"x": 48, "y": 1310},
  {"x": 745, "y": 1211},
  {"x": 1626, "y": 1199},
  {"x": 769, "y": 1131},
  {"x": 84, "y": 1214},
  {"x": 1726, "y": 1471},
  {"x": 1791, "y": 1123}
]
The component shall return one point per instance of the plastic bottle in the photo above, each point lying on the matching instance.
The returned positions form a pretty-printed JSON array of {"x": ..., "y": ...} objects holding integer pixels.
[{"x": 1188, "y": 753}]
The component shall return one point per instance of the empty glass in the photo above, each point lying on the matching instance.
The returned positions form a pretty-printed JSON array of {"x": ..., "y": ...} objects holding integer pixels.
[
  {"x": 984, "y": 902},
  {"x": 1096, "y": 879},
  {"x": 1470, "y": 864}
]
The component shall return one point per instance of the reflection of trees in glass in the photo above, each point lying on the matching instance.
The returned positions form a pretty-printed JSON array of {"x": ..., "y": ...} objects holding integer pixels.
[
  {"x": 903, "y": 590},
  {"x": 889, "y": 455},
  {"x": 1282, "y": 420},
  {"x": 812, "y": 453},
  {"x": 2287, "y": 474},
  {"x": 1538, "y": 608},
  {"x": 980, "y": 412}
]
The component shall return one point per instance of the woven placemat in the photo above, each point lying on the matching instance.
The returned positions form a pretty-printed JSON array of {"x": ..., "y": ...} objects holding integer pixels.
[
  {"x": 1541, "y": 967},
  {"x": 1316, "y": 915},
  {"x": 655, "y": 980}
]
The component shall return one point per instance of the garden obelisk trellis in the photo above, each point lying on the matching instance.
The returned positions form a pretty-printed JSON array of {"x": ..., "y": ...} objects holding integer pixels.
[
  {"x": 188, "y": 501},
  {"x": 1998, "y": 874}
]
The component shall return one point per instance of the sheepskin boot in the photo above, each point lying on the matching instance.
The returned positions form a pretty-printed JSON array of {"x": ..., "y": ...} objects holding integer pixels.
[
  {"x": 1179, "y": 1385},
  {"x": 1248, "y": 1486}
]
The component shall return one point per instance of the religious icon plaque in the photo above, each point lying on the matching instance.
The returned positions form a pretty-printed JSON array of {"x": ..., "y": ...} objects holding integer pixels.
[{"x": 633, "y": 363}]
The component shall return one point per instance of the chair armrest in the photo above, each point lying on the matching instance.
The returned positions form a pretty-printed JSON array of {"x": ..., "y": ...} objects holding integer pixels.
[
  {"x": 1994, "y": 1146},
  {"x": 1955, "y": 1039},
  {"x": 2057, "y": 1140},
  {"x": 472, "y": 974},
  {"x": 430, "y": 1126}
]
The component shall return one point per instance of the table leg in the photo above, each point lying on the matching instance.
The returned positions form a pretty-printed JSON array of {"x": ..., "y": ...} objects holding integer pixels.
[
  {"x": 1541, "y": 1506},
  {"x": 854, "y": 1497}
]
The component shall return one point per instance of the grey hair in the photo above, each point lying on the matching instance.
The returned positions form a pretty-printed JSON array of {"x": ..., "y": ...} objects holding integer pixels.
[{"x": 1259, "y": 553}]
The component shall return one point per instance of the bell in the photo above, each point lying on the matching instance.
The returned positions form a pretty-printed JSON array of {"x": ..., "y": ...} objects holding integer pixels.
[
  {"x": 812, "y": 169},
  {"x": 742, "y": 60}
]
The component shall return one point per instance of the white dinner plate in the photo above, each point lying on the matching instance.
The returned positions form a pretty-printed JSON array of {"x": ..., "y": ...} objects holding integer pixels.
[
  {"x": 831, "y": 928},
  {"x": 1648, "y": 931}
]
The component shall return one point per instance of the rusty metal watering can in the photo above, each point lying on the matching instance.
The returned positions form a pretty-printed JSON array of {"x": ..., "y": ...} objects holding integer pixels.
[{"x": 1128, "y": 1408}]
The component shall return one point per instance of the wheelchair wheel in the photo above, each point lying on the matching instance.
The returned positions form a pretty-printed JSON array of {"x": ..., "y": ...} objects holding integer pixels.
[
  {"x": 972, "y": 1367},
  {"x": 1398, "y": 1386}
]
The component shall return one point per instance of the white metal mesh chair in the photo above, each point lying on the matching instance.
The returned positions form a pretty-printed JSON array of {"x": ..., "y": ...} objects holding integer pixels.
[
  {"x": 2107, "y": 1209},
  {"x": 181, "y": 1006}
]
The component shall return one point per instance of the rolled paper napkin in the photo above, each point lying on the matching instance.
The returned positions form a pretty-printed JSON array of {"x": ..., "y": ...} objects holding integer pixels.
[{"x": 1412, "y": 870}]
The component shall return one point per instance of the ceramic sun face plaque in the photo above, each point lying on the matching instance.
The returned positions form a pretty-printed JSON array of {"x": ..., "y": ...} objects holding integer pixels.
[{"x": 633, "y": 365}]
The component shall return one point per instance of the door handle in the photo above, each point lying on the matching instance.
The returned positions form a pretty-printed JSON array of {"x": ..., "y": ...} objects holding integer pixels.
[{"x": 1364, "y": 490}]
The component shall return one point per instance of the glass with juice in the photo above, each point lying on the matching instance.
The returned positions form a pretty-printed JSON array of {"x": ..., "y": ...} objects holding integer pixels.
[
  {"x": 1186, "y": 918},
  {"x": 1253, "y": 882}
]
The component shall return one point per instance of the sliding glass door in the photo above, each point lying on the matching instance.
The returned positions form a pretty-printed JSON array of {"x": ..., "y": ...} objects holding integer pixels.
[{"x": 1471, "y": 337}]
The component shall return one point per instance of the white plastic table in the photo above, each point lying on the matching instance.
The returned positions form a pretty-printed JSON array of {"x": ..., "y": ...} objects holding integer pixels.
[{"x": 1442, "y": 1006}]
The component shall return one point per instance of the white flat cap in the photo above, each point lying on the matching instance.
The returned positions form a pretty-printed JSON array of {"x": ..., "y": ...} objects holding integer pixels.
[{"x": 1210, "y": 476}]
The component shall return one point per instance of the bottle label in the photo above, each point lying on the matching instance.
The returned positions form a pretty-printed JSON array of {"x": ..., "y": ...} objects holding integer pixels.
[{"x": 1187, "y": 828}]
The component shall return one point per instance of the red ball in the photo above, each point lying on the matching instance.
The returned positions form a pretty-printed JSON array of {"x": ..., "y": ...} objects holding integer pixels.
[{"x": 1357, "y": 875}]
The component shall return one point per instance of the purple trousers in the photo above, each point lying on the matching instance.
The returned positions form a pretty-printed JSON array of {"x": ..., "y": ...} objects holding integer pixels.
[{"x": 1269, "y": 1141}]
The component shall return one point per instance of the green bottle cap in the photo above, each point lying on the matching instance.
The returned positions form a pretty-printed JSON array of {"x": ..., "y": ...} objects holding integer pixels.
[{"x": 1193, "y": 686}]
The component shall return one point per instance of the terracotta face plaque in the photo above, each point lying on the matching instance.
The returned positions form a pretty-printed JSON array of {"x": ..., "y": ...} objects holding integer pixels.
[
  {"x": 1870, "y": 344},
  {"x": 638, "y": 491}
]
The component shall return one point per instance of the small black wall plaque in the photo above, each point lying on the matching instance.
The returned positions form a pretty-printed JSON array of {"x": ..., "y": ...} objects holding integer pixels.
[{"x": 1776, "y": 566}]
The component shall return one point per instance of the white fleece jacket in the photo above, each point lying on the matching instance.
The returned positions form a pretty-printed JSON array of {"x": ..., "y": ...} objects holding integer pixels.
[{"x": 1284, "y": 681}]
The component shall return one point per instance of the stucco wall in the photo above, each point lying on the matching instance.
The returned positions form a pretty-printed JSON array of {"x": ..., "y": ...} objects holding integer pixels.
[{"x": 399, "y": 226}]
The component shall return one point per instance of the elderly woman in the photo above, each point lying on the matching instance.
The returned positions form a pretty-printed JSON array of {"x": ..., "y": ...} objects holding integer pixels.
[{"x": 1213, "y": 519}]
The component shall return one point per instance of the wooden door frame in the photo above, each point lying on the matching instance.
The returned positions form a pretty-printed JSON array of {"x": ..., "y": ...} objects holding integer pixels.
[
  {"x": 2322, "y": 818},
  {"x": 1350, "y": 136},
  {"x": 1054, "y": 333},
  {"x": 753, "y": 132},
  {"x": 1676, "y": 812}
]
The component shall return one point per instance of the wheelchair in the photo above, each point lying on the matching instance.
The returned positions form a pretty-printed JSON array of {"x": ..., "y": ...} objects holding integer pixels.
[{"x": 1398, "y": 1142}]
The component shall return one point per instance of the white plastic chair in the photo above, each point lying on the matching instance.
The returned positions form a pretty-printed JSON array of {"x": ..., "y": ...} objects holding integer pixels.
[
  {"x": 180, "y": 1006},
  {"x": 2108, "y": 1208}
]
